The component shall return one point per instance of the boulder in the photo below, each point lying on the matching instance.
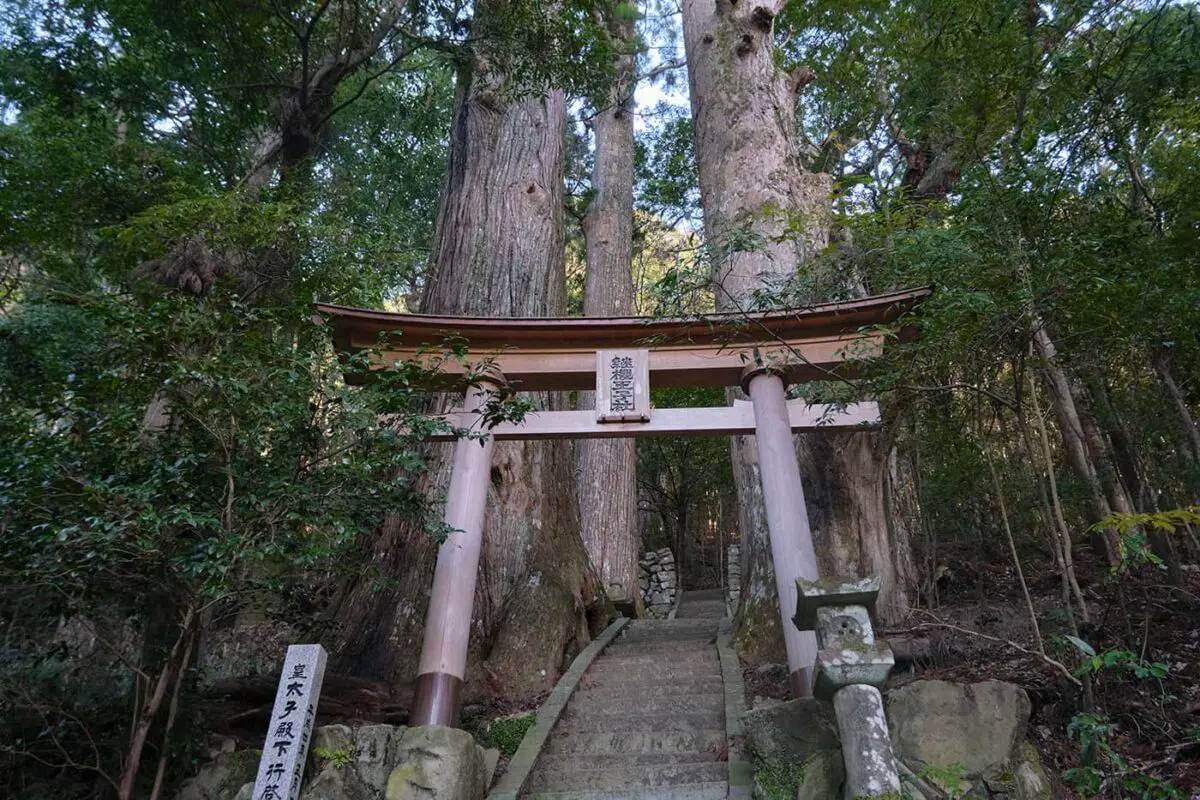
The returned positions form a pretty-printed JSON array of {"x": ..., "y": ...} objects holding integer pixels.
[
  {"x": 330, "y": 739},
  {"x": 343, "y": 764},
  {"x": 1029, "y": 776},
  {"x": 823, "y": 775},
  {"x": 933, "y": 724},
  {"x": 437, "y": 763},
  {"x": 798, "y": 732},
  {"x": 221, "y": 778},
  {"x": 350, "y": 763},
  {"x": 333, "y": 783},
  {"x": 793, "y": 731},
  {"x": 375, "y": 753},
  {"x": 980, "y": 727}
]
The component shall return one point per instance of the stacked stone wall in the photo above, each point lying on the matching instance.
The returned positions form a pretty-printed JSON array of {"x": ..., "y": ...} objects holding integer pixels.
[{"x": 659, "y": 582}]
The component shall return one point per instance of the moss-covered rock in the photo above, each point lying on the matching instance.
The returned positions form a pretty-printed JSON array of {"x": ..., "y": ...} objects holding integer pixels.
[
  {"x": 1029, "y": 776},
  {"x": 221, "y": 778},
  {"x": 437, "y": 763}
]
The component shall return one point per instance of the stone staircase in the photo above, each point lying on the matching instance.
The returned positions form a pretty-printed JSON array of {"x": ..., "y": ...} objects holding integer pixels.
[{"x": 647, "y": 721}]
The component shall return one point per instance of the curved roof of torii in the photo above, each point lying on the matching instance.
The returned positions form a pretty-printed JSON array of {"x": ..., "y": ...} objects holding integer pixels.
[{"x": 558, "y": 353}]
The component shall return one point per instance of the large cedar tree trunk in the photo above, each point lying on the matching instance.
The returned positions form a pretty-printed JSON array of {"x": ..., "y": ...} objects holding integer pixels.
[
  {"x": 607, "y": 468},
  {"x": 751, "y": 179},
  {"x": 498, "y": 251}
]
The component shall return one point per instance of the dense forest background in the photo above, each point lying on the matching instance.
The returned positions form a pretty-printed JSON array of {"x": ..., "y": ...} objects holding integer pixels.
[{"x": 187, "y": 485}]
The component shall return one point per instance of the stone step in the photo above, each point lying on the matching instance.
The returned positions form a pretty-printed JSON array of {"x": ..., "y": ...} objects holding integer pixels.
[
  {"x": 647, "y": 721},
  {"x": 656, "y": 645},
  {"x": 715, "y": 606},
  {"x": 698, "y": 636},
  {"x": 636, "y": 658},
  {"x": 662, "y": 672},
  {"x": 710, "y": 599},
  {"x": 676, "y": 627},
  {"x": 657, "y": 648},
  {"x": 636, "y": 679},
  {"x": 651, "y": 722},
  {"x": 679, "y": 628},
  {"x": 714, "y": 790},
  {"x": 647, "y": 622},
  {"x": 614, "y": 743},
  {"x": 568, "y": 776},
  {"x": 650, "y": 674},
  {"x": 565, "y": 763},
  {"x": 701, "y": 613},
  {"x": 648, "y": 700},
  {"x": 700, "y": 639},
  {"x": 619, "y": 682},
  {"x": 703, "y": 594}
]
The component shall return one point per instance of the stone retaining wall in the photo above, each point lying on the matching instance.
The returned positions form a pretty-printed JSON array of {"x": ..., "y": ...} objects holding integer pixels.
[{"x": 659, "y": 582}]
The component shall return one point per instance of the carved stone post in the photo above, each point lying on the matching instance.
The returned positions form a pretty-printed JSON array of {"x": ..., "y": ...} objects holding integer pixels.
[
  {"x": 792, "y": 550},
  {"x": 850, "y": 668},
  {"x": 443, "y": 662}
]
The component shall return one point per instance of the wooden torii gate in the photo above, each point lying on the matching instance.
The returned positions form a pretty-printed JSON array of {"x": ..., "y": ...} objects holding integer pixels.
[{"x": 621, "y": 359}]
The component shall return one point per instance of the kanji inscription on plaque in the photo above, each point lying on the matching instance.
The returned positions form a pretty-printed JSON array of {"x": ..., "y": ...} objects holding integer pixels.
[{"x": 623, "y": 386}]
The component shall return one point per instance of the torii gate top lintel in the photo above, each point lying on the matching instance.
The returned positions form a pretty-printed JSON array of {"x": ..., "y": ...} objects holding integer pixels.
[{"x": 558, "y": 353}]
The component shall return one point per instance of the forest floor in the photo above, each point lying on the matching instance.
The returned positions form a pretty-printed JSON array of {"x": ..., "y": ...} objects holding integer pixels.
[{"x": 980, "y": 630}]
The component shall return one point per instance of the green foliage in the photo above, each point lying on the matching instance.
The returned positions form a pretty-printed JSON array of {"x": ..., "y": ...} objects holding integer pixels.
[
  {"x": 949, "y": 777},
  {"x": 777, "y": 779},
  {"x": 280, "y": 465},
  {"x": 1094, "y": 663},
  {"x": 1131, "y": 532},
  {"x": 665, "y": 165},
  {"x": 340, "y": 758},
  {"x": 1100, "y": 761},
  {"x": 505, "y": 734}
]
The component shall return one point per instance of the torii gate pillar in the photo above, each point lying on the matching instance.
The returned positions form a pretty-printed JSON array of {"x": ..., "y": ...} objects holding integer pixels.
[
  {"x": 443, "y": 664},
  {"x": 792, "y": 549}
]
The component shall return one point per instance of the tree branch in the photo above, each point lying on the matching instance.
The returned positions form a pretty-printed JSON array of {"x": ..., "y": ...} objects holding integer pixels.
[{"x": 1058, "y": 665}]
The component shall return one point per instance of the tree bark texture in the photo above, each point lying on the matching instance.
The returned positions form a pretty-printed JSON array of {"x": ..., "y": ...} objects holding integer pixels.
[
  {"x": 765, "y": 219},
  {"x": 607, "y": 468},
  {"x": 498, "y": 251},
  {"x": 753, "y": 189}
]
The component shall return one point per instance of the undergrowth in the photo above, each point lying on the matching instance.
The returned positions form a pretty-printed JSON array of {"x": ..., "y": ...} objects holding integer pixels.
[
  {"x": 505, "y": 734},
  {"x": 777, "y": 779}
]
